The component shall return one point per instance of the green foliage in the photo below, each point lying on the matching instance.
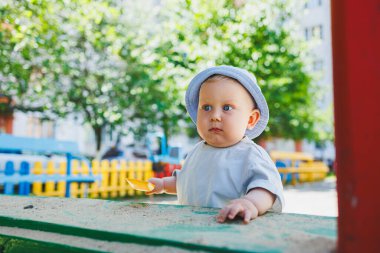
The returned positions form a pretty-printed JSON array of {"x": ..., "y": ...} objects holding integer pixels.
[
  {"x": 85, "y": 57},
  {"x": 253, "y": 36},
  {"x": 26, "y": 35}
]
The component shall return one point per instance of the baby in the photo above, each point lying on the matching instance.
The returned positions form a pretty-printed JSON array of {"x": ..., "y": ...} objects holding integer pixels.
[{"x": 226, "y": 169}]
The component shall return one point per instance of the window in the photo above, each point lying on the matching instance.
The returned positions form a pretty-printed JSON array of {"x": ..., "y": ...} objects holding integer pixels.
[
  {"x": 38, "y": 128},
  {"x": 307, "y": 34},
  {"x": 312, "y": 4},
  {"x": 314, "y": 32},
  {"x": 317, "y": 32}
]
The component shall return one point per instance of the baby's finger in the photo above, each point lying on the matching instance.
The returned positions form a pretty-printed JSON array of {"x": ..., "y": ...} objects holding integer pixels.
[
  {"x": 234, "y": 211},
  {"x": 247, "y": 216},
  {"x": 149, "y": 192},
  {"x": 222, "y": 214},
  {"x": 154, "y": 191}
]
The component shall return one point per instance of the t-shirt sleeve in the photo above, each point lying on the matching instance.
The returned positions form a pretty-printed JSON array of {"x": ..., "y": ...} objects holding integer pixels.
[{"x": 262, "y": 173}]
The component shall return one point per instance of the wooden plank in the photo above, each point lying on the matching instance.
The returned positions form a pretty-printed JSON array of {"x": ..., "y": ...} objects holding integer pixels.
[{"x": 183, "y": 227}]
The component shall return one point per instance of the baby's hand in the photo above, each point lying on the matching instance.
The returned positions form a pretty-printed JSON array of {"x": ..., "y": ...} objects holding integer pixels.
[
  {"x": 158, "y": 186},
  {"x": 241, "y": 207}
]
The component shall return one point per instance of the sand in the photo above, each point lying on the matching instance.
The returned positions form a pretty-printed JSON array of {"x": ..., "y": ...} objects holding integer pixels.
[{"x": 174, "y": 223}]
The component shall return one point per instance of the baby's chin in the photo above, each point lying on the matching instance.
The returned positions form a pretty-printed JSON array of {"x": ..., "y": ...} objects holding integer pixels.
[{"x": 222, "y": 143}]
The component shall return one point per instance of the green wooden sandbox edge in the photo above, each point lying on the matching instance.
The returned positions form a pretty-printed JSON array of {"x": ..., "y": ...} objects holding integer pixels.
[{"x": 103, "y": 235}]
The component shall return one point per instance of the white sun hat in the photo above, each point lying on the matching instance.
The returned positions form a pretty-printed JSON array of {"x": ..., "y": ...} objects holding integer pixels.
[{"x": 245, "y": 78}]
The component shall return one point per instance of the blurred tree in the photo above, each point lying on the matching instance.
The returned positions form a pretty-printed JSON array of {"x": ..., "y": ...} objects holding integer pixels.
[
  {"x": 169, "y": 63},
  {"x": 63, "y": 57},
  {"x": 124, "y": 65},
  {"x": 27, "y": 42},
  {"x": 160, "y": 104},
  {"x": 91, "y": 59}
]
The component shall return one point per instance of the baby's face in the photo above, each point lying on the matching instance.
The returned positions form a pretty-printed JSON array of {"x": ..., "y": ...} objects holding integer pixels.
[{"x": 225, "y": 111}]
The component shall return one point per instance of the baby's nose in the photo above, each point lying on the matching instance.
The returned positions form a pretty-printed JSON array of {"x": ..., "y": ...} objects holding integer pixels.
[{"x": 216, "y": 115}]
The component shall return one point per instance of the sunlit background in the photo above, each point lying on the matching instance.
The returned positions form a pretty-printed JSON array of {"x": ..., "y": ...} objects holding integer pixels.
[{"x": 111, "y": 75}]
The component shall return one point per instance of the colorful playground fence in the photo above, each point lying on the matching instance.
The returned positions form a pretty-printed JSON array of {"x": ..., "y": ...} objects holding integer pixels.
[
  {"x": 107, "y": 179},
  {"x": 298, "y": 167},
  {"x": 100, "y": 179}
]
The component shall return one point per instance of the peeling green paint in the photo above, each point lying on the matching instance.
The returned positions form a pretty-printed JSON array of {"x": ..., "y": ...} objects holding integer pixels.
[{"x": 10, "y": 244}]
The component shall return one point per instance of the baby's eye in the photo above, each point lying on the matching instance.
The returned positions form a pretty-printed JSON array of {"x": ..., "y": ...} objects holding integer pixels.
[
  {"x": 206, "y": 108},
  {"x": 227, "y": 108}
]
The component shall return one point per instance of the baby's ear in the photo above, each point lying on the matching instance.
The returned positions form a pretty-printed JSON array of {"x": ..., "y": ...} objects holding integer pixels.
[{"x": 253, "y": 119}]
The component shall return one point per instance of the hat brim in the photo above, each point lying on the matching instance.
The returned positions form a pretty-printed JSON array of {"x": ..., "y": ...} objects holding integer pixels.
[{"x": 245, "y": 78}]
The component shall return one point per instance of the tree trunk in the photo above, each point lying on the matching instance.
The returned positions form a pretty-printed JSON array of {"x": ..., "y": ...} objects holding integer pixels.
[
  {"x": 98, "y": 136},
  {"x": 298, "y": 145}
]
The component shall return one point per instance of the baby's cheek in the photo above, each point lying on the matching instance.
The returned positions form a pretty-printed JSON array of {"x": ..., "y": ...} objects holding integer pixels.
[
  {"x": 237, "y": 131},
  {"x": 200, "y": 131}
]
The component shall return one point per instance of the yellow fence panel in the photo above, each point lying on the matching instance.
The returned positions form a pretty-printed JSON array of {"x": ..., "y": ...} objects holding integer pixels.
[
  {"x": 131, "y": 174},
  {"x": 104, "y": 168},
  {"x": 50, "y": 185},
  {"x": 122, "y": 178},
  {"x": 61, "y": 186},
  {"x": 94, "y": 187},
  {"x": 113, "y": 179},
  {"x": 37, "y": 186},
  {"x": 74, "y": 187},
  {"x": 83, "y": 187},
  {"x": 113, "y": 182}
]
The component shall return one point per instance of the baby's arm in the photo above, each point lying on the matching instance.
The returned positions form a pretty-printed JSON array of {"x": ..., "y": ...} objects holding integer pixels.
[
  {"x": 255, "y": 203},
  {"x": 163, "y": 185}
]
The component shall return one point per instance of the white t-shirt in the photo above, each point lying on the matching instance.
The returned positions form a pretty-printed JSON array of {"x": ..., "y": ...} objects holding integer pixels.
[{"x": 211, "y": 177}]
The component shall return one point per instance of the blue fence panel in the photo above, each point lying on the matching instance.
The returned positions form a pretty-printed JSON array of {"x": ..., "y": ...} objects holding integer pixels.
[
  {"x": 9, "y": 171},
  {"x": 9, "y": 178},
  {"x": 24, "y": 186}
]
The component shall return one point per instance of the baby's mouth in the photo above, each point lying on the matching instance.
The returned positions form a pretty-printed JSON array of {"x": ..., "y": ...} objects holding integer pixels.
[{"x": 215, "y": 130}]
